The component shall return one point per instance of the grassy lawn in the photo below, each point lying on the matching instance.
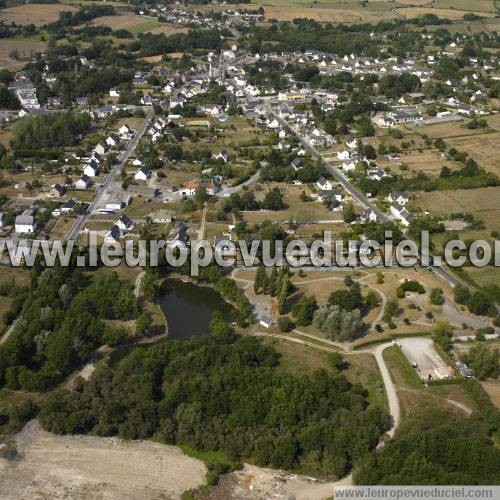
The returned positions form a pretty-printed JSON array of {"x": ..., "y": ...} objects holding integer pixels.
[
  {"x": 297, "y": 210},
  {"x": 361, "y": 368},
  {"x": 399, "y": 366},
  {"x": 488, "y": 275}
]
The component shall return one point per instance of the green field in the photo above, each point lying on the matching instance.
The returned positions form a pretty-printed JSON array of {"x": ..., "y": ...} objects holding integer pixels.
[{"x": 468, "y": 5}]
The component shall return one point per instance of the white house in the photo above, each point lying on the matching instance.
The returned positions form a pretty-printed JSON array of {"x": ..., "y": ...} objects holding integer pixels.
[
  {"x": 113, "y": 235},
  {"x": 348, "y": 166},
  {"x": 125, "y": 131},
  {"x": 189, "y": 189},
  {"x": 324, "y": 184},
  {"x": 101, "y": 148},
  {"x": 343, "y": 155},
  {"x": 265, "y": 321},
  {"x": 83, "y": 183},
  {"x": 142, "y": 174},
  {"x": 112, "y": 140},
  {"x": 223, "y": 155},
  {"x": 401, "y": 214},
  {"x": 25, "y": 223},
  {"x": 368, "y": 216},
  {"x": 399, "y": 198},
  {"x": 91, "y": 169},
  {"x": 125, "y": 224},
  {"x": 377, "y": 174},
  {"x": 138, "y": 162},
  {"x": 114, "y": 93},
  {"x": 352, "y": 143}
]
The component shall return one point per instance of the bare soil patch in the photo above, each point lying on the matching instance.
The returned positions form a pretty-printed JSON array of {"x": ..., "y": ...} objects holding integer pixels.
[{"x": 79, "y": 467}]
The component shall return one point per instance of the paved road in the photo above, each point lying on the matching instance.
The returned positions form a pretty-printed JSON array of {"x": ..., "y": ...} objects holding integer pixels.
[
  {"x": 229, "y": 190},
  {"x": 357, "y": 195},
  {"x": 102, "y": 190},
  {"x": 390, "y": 388}
]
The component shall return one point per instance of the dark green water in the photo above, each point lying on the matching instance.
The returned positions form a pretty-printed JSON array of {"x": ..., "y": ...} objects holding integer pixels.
[{"x": 189, "y": 308}]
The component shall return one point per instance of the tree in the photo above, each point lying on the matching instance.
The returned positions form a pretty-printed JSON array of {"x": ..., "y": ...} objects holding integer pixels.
[
  {"x": 372, "y": 299},
  {"x": 349, "y": 213},
  {"x": 303, "y": 311},
  {"x": 442, "y": 334},
  {"x": 484, "y": 362},
  {"x": 143, "y": 324},
  {"x": 433, "y": 446},
  {"x": 436, "y": 296},
  {"x": 273, "y": 200},
  {"x": 461, "y": 294},
  {"x": 337, "y": 323},
  {"x": 391, "y": 309},
  {"x": 285, "y": 324},
  {"x": 150, "y": 284},
  {"x": 347, "y": 299},
  {"x": 261, "y": 282}
]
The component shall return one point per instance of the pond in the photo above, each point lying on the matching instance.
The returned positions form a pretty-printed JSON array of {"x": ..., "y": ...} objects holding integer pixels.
[{"x": 189, "y": 308}]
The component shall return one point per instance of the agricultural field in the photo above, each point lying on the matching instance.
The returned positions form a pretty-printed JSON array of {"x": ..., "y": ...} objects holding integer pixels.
[
  {"x": 482, "y": 202},
  {"x": 468, "y": 5},
  {"x": 24, "y": 50},
  {"x": 412, "y": 12},
  {"x": 347, "y": 12},
  {"x": 479, "y": 144},
  {"x": 37, "y": 14},
  {"x": 137, "y": 24}
]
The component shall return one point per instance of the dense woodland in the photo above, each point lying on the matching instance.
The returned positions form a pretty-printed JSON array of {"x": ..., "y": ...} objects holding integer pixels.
[
  {"x": 225, "y": 392},
  {"x": 48, "y": 131},
  {"x": 60, "y": 322},
  {"x": 434, "y": 448}
]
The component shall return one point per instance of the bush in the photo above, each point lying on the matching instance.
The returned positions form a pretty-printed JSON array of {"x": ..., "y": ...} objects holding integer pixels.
[
  {"x": 285, "y": 324},
  {"x": 436, "y": 296}
]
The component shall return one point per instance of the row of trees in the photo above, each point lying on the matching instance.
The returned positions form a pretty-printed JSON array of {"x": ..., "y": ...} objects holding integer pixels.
[
  {"x": 276, "y": 285},
  {"x": 478, "y": 302}
]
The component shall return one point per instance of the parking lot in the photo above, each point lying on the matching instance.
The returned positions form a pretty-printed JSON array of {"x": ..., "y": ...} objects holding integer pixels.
[{"x": 422, "y": 355}]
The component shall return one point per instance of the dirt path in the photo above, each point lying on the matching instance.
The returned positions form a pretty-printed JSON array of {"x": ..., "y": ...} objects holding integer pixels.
[
  {"x": 201, "y": 232},
  {"x": 138, "y": 282},
  {"x": 82, "y": 467},
  {"x": 390, "y": 388},
  {"x": 7, "y": 334}
]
